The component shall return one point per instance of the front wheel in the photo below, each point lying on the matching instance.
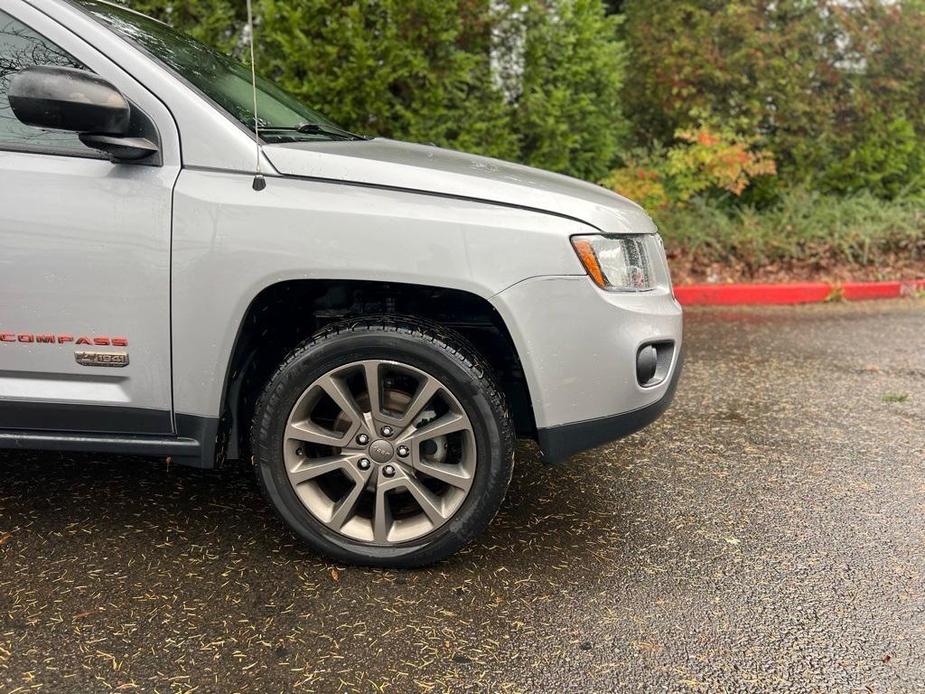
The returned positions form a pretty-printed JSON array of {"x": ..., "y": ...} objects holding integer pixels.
[{"x": 384, "y": 442}]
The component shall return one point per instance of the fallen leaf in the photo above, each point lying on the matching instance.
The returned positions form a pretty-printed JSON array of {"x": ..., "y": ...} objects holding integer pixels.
[{"x": 648, "y": 646}]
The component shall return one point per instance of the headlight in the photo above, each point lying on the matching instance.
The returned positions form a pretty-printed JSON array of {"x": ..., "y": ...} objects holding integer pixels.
[{"x": 617, "y": 263}]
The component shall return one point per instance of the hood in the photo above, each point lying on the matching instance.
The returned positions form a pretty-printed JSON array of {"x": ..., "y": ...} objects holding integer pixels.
[{"x": 430, "y": 169}]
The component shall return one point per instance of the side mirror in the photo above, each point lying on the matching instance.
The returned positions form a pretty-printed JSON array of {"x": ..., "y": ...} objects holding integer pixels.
[{"x": 69, "y": 99}]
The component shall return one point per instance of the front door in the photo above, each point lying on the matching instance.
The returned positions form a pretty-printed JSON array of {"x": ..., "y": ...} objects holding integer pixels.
[{"x": 84, "y": 258}]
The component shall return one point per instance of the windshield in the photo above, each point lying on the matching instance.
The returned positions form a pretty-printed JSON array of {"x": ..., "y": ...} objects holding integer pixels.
[{"x": 221, "y": 78}]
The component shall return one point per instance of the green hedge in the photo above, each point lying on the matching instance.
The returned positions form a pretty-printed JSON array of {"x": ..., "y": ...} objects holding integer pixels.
[{"x": 803, "y": 226}]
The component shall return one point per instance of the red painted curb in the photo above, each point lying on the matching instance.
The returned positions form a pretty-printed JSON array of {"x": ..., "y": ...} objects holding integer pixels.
[
  {"x": 726, "y": 294},
  {"x": 797, "y": 293}
]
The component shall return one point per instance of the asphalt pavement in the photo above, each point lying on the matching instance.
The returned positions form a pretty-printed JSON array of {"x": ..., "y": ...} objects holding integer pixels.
[{"x": 767, "y": 534}]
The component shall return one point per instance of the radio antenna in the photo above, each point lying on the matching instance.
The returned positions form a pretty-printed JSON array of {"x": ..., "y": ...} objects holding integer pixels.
[{"x": 259, "y": 181}]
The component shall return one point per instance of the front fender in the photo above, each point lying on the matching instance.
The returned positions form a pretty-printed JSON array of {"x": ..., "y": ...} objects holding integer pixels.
[{"x": 231, "y": 242}]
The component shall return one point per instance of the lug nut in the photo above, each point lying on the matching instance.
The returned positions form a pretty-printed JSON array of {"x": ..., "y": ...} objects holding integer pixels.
[
  {"x": 362, "y": 439},
  {"x": 388, "y": 471},
  {"x": 403, "y": 451},
  {"x": 386, "y": 431},
  {"x": 363, "y": 464}
]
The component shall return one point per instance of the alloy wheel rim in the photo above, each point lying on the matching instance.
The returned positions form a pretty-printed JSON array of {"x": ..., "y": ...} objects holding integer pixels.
[{"x": 380, "y": 452}]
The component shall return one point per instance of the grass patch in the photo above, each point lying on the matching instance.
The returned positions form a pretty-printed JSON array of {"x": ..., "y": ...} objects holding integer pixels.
[{"x": 895, "y": 397}]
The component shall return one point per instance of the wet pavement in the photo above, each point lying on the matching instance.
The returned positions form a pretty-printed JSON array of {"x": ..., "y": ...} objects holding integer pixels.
[{"x": 767, "y": 534}]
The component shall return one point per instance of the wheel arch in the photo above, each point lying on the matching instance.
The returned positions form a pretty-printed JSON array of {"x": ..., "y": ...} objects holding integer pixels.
[{"x": 266, "y": 333}]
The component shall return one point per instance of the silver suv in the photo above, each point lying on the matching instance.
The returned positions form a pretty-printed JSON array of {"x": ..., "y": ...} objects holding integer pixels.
[{"x": 370, "y": 322}]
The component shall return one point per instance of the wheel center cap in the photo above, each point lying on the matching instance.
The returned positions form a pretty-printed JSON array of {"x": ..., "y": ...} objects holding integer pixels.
[{"x": 381, "y": 451}]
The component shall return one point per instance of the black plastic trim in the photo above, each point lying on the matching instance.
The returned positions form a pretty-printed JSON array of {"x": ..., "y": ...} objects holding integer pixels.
[
  {"x": 561, "y": 442},
  {"x": 82, "y": 418},
  {"x": 183, "y": 448},
  {"x": 207, "y": 431},
  {"x": 50, "y": 151},
  {"x": 195, "y": 445}
]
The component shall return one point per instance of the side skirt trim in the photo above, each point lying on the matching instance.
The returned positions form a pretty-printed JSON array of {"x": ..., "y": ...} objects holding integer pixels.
[
  {"x": 195, "y": 447},
  {"x": 99, "y": 443}
]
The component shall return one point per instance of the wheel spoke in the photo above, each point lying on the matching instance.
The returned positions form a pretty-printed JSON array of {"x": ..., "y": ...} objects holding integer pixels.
[
  {"x": 449, "y": 423},
  {"x": 343, "y": 398},
  {"x": 428, "y": 502},
  {"x": 427, "y": 390},
  {"x": 345, "y": 508},
  {"x": 382, "y": 517},
  {"x": 371, "y": 371},
  {"x": 453, "y": 475},
  {"x": 311, "y": 468},
  {"x": 310, "y": 432}
]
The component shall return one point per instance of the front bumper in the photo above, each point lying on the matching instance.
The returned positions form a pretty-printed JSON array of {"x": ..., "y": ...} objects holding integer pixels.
[
  {"x": 578, "y": 347},
  {"x": 565, "y": 440}
]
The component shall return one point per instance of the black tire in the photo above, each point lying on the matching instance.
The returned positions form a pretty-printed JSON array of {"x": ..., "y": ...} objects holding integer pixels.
[{"x": 431, "y": 348}]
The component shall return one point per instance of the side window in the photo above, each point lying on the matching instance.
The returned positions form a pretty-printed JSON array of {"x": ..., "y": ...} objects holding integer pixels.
[{"x": 21, "y": 47}]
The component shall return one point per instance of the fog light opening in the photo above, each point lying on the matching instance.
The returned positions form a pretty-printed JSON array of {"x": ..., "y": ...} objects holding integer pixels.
[
  {"x": 646, "y": 364},
  {"x": 652, "y": 363}
]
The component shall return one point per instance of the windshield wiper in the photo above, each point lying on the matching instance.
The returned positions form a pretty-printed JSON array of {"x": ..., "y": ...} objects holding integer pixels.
[
  {"x": 319, "y": 128},
  {"x": 316, "y": 129}
]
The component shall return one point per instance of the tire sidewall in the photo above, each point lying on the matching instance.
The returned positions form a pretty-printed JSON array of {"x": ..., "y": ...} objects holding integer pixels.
[{"x": 493, "y": 466}]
